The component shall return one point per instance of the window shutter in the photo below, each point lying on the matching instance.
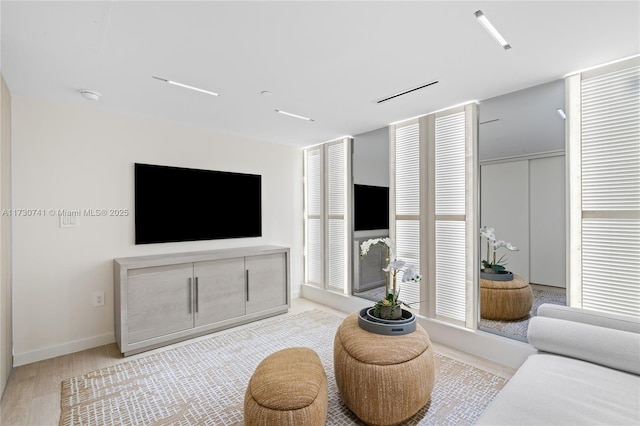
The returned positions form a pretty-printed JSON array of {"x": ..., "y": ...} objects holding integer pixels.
[
  {"x": 313, "y": 201},
  {"x": 407, "y": 206},
  {"x": 408, "y": 249},
  {"x": 337, "y": 235},
  {"x": 450, "y": 164},
  {"x": 610, "y": 265},
  {"x": 450, "y": 218},
  {"x": 610, "y": 191},
  {"x": 407, "y": 170},
  {"x": 326, "y": 222}
]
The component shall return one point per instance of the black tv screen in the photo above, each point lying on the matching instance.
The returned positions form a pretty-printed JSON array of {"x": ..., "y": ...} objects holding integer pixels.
[
  {"x": 371, "y": 207},
  {"x": 178, "y": 204}
]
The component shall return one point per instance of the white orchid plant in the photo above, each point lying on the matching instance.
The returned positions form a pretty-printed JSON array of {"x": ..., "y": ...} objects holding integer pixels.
[
  {"x": 496, "y": 264},
  {"x": 394, "y": 266}
]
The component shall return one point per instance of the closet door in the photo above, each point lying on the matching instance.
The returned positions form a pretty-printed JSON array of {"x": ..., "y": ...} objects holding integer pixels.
[
  {"x": 505, "y": 207},
  {"x": 547, "y": 219}
]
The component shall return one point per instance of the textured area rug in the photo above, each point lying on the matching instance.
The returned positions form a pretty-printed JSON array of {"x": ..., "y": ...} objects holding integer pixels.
[
  {"x": 518, "y": 329},
  {"x": 203, "y": 382}
]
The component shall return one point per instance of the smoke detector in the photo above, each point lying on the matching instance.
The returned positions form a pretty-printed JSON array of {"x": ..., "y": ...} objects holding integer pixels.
[{"x": 89, "y": 94}]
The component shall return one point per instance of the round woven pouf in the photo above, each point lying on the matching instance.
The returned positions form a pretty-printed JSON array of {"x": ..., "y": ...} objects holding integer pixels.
[
  {"x": 505, "y": 300},
  {"x": 289, "y": 387},
  {"x": 383, "y": 379}
]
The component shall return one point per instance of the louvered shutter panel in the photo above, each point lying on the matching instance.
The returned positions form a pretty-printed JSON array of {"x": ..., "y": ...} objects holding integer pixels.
[
  {"x": 313, "y": 192},
  {"x": 336, "y": 178},
  {"x": 610, "y": 189},
  {"x": 450, "y": 164},
  {"x": 450, "y": 205},
  {"x": 407, "y": 170},
  {"x": 407, "y": 206}
]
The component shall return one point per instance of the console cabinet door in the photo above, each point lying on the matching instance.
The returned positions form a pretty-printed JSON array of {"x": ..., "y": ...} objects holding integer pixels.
[
  {"x": 159, "y": 301},
  {"x": 220, "y": 290},
  {"x": 266, "y": 281}
]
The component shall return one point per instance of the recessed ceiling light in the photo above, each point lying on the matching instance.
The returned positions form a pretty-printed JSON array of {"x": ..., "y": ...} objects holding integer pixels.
[
  {"x": 294, "y": 115},
  {"x": 492, "y": 30},
  {"x": 186, "y": 86},
  {"x": 89, "y": 94},
  {"x": 561, "y": 113}
]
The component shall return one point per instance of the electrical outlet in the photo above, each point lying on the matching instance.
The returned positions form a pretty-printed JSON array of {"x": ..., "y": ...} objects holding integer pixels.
[{"x": 98, "y": 298}]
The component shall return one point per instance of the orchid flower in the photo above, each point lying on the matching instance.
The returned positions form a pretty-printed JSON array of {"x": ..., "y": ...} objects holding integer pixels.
[
  {"x": 410, "y": 274},
  {"x": 492, "y": 242},
  {"x": 508, "y": 246},
  {"x": 366, "y": 246},
  {"x": 488, "y": 233},
  {"x": 393, "y": 266}
]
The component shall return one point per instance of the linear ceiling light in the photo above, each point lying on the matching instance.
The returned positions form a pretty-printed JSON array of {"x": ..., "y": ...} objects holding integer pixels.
[
  {"x": 561, "y": 113},
  {"x": 492, "y": 30},
  {"x": 388, "y": 98},
  {"x": 490, "y": 121},
  {"x": 175, "y": 83},
  {"x": 294, "y": 115}
]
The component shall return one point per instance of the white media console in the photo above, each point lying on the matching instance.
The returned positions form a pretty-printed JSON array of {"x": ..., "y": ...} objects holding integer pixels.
[{"x": 162, "y": 299}]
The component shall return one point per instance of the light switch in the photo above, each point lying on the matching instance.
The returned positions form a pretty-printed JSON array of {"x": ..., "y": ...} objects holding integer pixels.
[{"x": 67, "y": 221}]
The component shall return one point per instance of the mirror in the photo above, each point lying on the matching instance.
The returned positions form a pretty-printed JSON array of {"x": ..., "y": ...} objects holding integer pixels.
[
  {"x": 522, "y": 197},
  {"x": 370, "y": 167}
]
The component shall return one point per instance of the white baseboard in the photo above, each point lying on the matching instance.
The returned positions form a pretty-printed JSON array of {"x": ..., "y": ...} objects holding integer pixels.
[
  {"x": 64, "y": 349},
  {"x": 295, "y": 294},
  {"x": 75, "y": 346}
]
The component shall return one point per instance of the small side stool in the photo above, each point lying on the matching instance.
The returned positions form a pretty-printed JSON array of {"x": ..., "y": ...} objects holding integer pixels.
[
  {"x": 505, "y": 300},
  {"x": 384, "y": 380},
  {"x": 289, "y": 387}
]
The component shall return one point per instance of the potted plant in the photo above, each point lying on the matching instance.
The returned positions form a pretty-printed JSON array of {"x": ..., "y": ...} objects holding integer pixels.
[
  {"x": 390, "y": 307},
  {"x": 493, "y": 266}
]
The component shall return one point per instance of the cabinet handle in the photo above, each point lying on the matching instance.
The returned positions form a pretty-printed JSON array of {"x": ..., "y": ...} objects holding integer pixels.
[
  {"x": 196, "y": 295},
  {"x": 247, "y": 283},
  {"x": 190, "y": 295}
]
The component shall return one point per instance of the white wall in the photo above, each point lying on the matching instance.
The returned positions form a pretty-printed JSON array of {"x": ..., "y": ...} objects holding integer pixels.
[
  {"x": 6, "y": 360},
  {"x": 79, "y": 158},
  {"x": 371, "y": 158}
]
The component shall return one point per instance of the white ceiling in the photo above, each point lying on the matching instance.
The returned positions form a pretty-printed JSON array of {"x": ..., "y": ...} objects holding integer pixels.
[
  {"x": 522, "y": 123},
  {"x": 326, "y": 60}
]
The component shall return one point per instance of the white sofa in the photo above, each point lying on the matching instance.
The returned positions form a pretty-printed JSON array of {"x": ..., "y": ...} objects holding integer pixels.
[{"x": 586, "y": 372}]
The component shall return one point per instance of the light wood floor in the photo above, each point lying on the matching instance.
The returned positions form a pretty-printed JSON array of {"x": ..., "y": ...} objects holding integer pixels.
[{"x": 32, "y": 395}]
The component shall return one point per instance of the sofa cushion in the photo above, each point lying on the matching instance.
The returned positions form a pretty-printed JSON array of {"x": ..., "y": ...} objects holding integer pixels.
[
  {"x": 555, "y": 390},
  {"x": 586, "y": 316},
  {"x": 605, "y": 346}
]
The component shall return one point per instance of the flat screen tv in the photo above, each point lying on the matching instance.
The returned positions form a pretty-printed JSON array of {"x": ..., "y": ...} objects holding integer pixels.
[
  {"x": 178, "y": 204},
  {"x": 371, "y": 207}
]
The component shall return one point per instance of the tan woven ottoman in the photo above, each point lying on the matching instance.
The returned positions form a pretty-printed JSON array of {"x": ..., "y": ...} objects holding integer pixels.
[
  {"x": 289, "y": 387},
  {"x": 384, "y": 380},
  {"x": 505, "y": 300}
]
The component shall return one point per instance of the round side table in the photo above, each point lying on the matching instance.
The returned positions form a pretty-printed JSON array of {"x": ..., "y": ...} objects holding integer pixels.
[
  {"x": 505, "y": 300},
  {"x": 383, "y": 379}
]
